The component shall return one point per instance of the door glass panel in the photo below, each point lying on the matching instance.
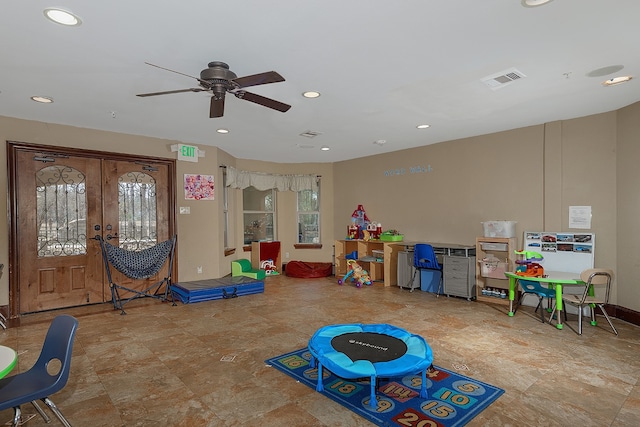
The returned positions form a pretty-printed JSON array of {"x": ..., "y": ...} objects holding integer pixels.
[
  {"x": 137, "y": 211},
  {"x": 61, "y": 211}
]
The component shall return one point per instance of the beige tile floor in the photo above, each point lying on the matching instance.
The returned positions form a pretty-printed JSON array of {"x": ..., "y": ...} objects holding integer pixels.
[{"x": 163, "y": 366}]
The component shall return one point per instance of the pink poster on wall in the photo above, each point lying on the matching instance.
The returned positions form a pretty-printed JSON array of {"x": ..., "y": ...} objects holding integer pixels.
[{"x": 198, "y": 187}]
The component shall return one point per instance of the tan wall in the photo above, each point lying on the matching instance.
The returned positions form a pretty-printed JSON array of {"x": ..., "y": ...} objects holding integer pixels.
[
  {"x": 199, "y": 235},
  {"x": 530, "y": 175},
  {"x": 588, "y": 151},
  {"x": 628, "y": 204},
  {"x": 447, "y": 189},
  {"x": 443, "y": 192}
]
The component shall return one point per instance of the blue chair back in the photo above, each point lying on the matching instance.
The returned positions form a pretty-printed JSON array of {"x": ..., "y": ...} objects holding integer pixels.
[
  {"x": 537, "y": 288},
  {"x": 37, "y": 383},
  {"x": 424, "y": 257},
  {"x": 58, "y": 344},
  {"x": 531, "y": 287}
]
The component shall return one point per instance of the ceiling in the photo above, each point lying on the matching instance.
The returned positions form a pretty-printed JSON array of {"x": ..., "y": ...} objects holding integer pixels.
[{"x": 382, "y": 68}]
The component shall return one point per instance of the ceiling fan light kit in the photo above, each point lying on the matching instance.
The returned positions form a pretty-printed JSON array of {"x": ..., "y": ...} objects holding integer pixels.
[
  {"x": 218, "y": 79},
  {"x": 535, "y": 3}
]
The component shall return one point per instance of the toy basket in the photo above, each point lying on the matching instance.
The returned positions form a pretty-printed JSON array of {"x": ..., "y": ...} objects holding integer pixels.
[
  {"x": 391, "y": 237},
  {"x": 493, "y": 268}
]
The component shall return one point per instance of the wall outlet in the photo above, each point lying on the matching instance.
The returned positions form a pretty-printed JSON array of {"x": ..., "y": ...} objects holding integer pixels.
[
  {"x": 199, "y": 269},
  {"x": 286, "y": 255}
]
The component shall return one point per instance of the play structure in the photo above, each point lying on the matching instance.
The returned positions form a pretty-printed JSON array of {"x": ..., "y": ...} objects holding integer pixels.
[
  {"x": 356, "y": 274},
  {"x": 528, "y": 266},
  {"x": 361, "y": 228}
]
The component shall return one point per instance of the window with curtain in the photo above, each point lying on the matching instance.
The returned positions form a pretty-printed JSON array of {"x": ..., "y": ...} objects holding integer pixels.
[
  {"x": 259, "y": 208},
  {"x": 309, "y": 216}
]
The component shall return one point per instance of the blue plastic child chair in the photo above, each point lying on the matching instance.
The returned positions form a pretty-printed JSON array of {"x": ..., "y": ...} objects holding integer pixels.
[{"x": 538, "y": 289}]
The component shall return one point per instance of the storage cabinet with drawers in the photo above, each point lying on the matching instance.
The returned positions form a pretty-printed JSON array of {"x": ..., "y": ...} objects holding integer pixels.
[
  {"x": 459, "y": 273},
  {"x": 458, "y": 268},
  {"x": 407, "y": 277}
]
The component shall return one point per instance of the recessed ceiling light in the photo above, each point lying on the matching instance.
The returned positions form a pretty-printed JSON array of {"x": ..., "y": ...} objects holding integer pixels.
[
  {"x": 325, "y": 148},
  {"x": 616, "y": 81},
  {"x": 222, "y": 130},
  {"x": 311, "y": 94},
  {"x": 423, "y": 126},
  {"x": 62, "y": 17},
  {"x": 535, "y": 3},
  {"x": 43, "y": 99}
]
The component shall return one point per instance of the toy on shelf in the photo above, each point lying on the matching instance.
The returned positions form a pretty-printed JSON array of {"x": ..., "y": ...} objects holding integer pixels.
[
  {"x": 269, "y": 267},
  {"x": 362, "y": 228},
  {"x": 391, "y": 236},
  {"x": 374, "y": 229},
  {"x": 353, "y": 232},
  {"x": 359, "y": 222},
  {"x": 529, "y": 267},
  {"x": 356, "y": 273}
]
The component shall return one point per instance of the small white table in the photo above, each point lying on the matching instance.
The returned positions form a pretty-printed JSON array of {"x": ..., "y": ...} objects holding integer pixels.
[{"x": 8, "y": 359}]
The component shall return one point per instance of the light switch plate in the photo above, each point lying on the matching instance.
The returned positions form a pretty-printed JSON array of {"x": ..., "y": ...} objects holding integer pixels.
[{"x": 185, "y": 210}]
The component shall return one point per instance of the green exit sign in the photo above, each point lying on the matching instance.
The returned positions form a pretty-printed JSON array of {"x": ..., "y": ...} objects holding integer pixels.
[{"x": 188, "y": 153}]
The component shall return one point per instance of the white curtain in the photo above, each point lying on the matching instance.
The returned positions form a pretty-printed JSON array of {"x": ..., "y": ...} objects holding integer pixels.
[{"x": 265, "y": 181}]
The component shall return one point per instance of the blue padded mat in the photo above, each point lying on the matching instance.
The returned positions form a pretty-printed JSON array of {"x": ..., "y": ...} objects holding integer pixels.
[{"x": 212, "y": 289}]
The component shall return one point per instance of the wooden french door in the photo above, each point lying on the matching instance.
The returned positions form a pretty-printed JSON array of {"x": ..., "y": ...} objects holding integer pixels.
[
  {"x": 140, "y": 216},
  {"x": 60, "y": 202}
]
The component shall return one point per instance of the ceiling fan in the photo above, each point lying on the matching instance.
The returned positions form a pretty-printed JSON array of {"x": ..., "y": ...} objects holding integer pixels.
[{"x": 219, "y": 80}]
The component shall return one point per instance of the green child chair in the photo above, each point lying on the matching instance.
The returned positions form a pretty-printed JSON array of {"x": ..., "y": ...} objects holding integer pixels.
[{"x": 242, "y": 267}]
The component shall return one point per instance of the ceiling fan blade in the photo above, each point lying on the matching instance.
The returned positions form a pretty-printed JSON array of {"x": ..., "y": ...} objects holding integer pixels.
[
  {"x": 193, "y": 89},
  {"x": 217, "y": 107},
  {"x": 262, "y": 100},
  {"x": 259, "y": 79},
  {"x": 206, "y": 83}
]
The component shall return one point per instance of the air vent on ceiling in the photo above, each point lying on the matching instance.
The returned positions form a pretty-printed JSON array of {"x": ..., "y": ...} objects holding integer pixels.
[
  {"x": 503, "y": 78},
  {"x": 310, "y": 134}
]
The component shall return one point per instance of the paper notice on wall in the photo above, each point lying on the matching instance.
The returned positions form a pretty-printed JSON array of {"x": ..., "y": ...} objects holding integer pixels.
[{"x": 580, "y": 217}]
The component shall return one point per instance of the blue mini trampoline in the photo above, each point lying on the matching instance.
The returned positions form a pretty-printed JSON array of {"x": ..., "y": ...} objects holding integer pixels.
[{"x": 354, "y": 351}]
